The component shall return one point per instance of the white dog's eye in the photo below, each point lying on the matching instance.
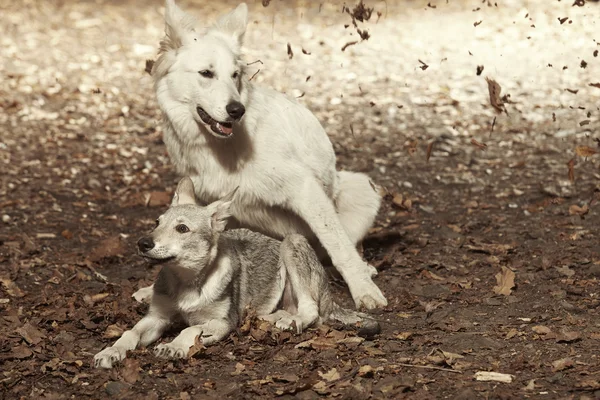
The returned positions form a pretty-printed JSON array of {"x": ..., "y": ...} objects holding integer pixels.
[
  {"x": 156, "y": 224},
  {"x": 181, "y": 228},
  {"x": 235, "y": 75},
  {"x": 206, "y": 73}
]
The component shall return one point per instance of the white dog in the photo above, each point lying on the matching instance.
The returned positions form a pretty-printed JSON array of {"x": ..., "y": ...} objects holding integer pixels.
[{"x": 226, "y": 133}]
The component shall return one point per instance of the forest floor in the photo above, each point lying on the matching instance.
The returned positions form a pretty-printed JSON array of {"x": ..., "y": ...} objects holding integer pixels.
[{"x": 487, "y": 244}]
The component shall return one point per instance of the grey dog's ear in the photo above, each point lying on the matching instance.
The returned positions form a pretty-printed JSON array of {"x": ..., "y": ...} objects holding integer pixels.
[
  {"x": 221, "y": 211},
  {"x": 184, "y": 194}
]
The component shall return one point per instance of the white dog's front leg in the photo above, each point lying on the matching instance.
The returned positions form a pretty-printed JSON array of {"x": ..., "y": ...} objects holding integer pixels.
[
  {"x": 313, "y": 205},
  {"x": 210, "y": 332},
  {"x": 148, "y": 330}
]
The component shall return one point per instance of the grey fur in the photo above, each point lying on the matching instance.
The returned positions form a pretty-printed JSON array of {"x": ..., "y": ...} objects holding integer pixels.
[{"x": 211, "y": 276}]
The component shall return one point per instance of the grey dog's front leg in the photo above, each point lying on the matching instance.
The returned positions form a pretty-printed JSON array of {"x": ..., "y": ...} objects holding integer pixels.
[
  {"x": 148, "y": 330},
  {"x": 209, "y": 332}
]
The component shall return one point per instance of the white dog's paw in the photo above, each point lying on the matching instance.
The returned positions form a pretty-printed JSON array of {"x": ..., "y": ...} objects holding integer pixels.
[
  {"x": 170, "y": 350},
  {"x": 144, "y": 295},
  {"x": 366, "y": 294},
  {"x": 372, "y": 271},
  {"x": 109, "y": 356}
]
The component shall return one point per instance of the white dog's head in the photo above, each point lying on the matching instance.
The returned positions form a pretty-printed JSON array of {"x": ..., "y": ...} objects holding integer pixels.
[{"x": 200, "y": 72}]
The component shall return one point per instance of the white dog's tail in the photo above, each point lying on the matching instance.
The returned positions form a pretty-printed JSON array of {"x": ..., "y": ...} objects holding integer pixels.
[{"x": 357, "y": 203}]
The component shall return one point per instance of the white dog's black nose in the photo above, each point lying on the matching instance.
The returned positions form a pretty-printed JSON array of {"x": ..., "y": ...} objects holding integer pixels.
[
  {"x": 235, "y": 109},
  {"x": 145, "y": 244}
]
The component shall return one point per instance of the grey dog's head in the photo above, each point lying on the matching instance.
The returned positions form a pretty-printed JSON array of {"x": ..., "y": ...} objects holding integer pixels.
[{"x": 187, "y": 232}]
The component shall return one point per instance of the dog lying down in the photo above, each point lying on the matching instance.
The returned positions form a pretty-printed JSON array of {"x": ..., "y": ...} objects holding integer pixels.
[{"x": 211, "y": 275}]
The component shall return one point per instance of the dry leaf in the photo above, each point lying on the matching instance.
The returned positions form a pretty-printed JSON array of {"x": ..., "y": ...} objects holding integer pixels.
[
  {"x": 585, "y": 151},
  {"x": 131, "y": 370},
  {"x": 581, "y": 211},
  {"x": 541, "y": 330},
  {"x": 403, "y": 335},
  {"x": 568, "y": 337},
  {"x": 562, "y": 364},
  {"x": 512, "y": 333},
  {"x": 30, "y": 333},
  {"x": 505, "y": 280},
  {"x": 196, "y": 348},
  {"x": 429, "y": 149},
  {"x": 571, "y": 165},
  {"x": 11, "y": 288},
  {"x": 113, "y": 331},
  {"x": 331, "y": 375},
  {"x": 482, "y": 146},
  {"x": 495, "y": 90},
  {"x": 111, "y": 247}
]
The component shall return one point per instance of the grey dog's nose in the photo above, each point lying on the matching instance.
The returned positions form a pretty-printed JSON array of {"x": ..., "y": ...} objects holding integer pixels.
[
  {"x": 145, "y": 244},
  {"x": 235, "y": 109}
]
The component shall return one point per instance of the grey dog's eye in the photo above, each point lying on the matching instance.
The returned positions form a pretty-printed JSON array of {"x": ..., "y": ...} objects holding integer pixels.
[
  {"x": 181, "y": 228},
  {"x": 206, "y": 73}
]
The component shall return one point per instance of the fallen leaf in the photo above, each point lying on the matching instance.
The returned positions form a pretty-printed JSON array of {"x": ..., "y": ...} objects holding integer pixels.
[
  {"x": 403, "y": 335},
  {"x": 67, "y": 234},
  {"x": 196, "y": 348},
  {"x": 585, "y": 151},
  {"x": 331, "y": 375},
  {"x": 11, "y": 288},
  {"x": 562, "y": 364},
  {"x": 113, "y": 331},
  {"x": 505, "y": 280},
  {"x": 541, "y": 330},
  {"x": 565, "y": 270},
  {"x": 30, "y": 333},
  {"x": 487, "y": 376},
  {"x": 512, "y": 333},
  {"x": 239, "y": 368},
  {"x": 429, "y": 149},
  {"x": 530, "y": 386},
  {"x": 568, "y": 337},
  {"x": 571, "y": 165},
  {"x": 111, "y": 247},
  {"x": 20, "y": 352},
  {"x": 581, "y": 211},
  {"x": 131, "y": 370}
]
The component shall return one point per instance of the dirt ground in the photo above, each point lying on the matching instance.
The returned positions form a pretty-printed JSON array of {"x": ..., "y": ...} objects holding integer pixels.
[{"x": 487, "y": 243}]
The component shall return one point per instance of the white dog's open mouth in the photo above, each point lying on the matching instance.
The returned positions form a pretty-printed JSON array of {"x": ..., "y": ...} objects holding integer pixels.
[{"x": 224, "y": 129}]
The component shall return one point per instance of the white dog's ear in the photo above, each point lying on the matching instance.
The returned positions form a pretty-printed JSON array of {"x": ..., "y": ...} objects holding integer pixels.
[
  {"x": 221, "y": 211},
  {"x": 233, "y": 23},
  {"x": 184, "y": 194},
  {"x": 180, "y": 27}
]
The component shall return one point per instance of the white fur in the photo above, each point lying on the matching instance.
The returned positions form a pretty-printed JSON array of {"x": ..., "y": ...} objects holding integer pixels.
[{"x": 279, "y": 155}]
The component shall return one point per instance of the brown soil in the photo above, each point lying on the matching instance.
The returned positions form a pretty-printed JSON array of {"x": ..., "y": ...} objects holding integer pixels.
[{"x": 487, "y": 243}]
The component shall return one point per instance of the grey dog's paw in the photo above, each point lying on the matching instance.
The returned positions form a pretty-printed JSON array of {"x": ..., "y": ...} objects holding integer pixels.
[
  {"x": 169, "y": 350},
  {"x": 108, "y": 357}
]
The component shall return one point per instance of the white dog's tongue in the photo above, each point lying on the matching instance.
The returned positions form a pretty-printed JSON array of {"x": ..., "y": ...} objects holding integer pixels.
[{"x": 224, "y": 129}]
